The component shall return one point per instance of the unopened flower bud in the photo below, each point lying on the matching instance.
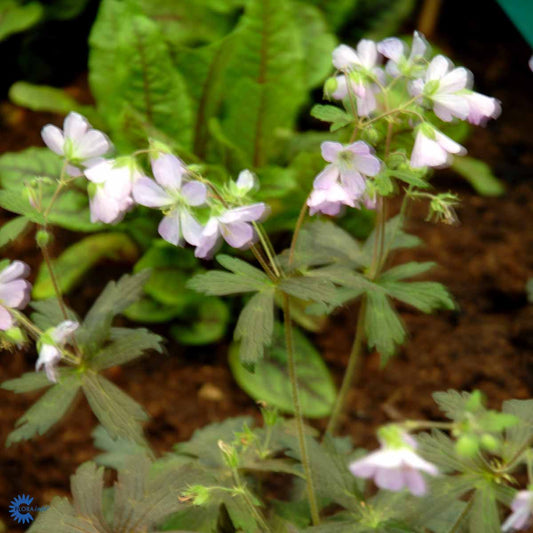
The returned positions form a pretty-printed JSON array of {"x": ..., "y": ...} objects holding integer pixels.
[
  {"x": 43, "y": 238},
  {"x": 230, "y": 454},
  {"x": 489, "y": 442},
  {"x": 371, "y": 135},
  {"x": 330, "y": 87},
  {"x": 467, "y": 446}
]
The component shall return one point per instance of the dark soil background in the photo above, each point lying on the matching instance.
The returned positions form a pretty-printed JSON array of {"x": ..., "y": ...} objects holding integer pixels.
[{"x": 485, "y": 261}]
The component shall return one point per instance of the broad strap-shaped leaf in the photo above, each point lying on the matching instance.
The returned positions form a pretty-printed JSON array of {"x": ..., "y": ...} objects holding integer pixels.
[
  {"x": 120, "y": 415},
  {"x": 115, "y": 298},
  {"x": 72, "y": 265},
  {"x": 125, "y": 346},
  {"x": 427, "y": 296},
  {"x": 270, "y": 380},
  {"x": 47, "y": 410},
  {"x": 265, "y": 79},
  {"x": 255, "y": 326},
  {"x": 12, "y": 229},
  {"x": 131, "y": 69},
  {"x": 383, "y": 327}
]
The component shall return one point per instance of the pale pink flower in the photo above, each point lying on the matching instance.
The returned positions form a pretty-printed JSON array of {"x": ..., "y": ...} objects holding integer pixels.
[
  {"x": 396, "y": 51},
  {"x": 173, "y": 197},
  {"x": 481, "y": 108},
  {"x": 50, "y": 345},
  {"x": 14, "y": 291},
  {"x": 396, "y": 467},
  {"x": 443, "y": 85},
  {"x": 522, "y": 507},
  {"x": 232, "y": 225},
  {"x": 329, "y": 201},
  {"x": 433, "y": 149},
  {"x": 348, "y": 165},
  {"x": 80, "y": 144},
  {"x": 110, "y": 196}
]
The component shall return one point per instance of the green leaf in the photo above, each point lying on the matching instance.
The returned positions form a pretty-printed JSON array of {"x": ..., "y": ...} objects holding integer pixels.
[
  {"x": 74, "y": 263},
  {"x": 115, "y": 298},
  {"x": 453, "y": 403},
  {"x": 329, "y": 113},
  {"x": 255, "y": 327},
  {"x": 317, "y": 43},
  {"x": 427, "y": 296},
  {"x": 411, "y": 177},
  {"x": 50, "y": 408},
  {"x": 407, "y": 270},
  {"x": 120, "y": 415},
  {"x": 218, "y": 283},
  {"x": 19, "y": 168},
  {"x": 19, "y": 204},
  {"x": 45, "y": 98},
  {"x": 149, "y": 311},
  {"x": 203, "y": 71},
  {"x": 484, "y": 516},
  {"x": 270, "y": 380},
  {"x": 126, "y": 345},
  {"x": 16, "y": 17},
  {"x": 209, "y": 322},
  {"x": 237, "y": 266},
  {"x": 479, "y": 175},
  {"x": 117, "y": 452},
  {"x": 48, "y": 314},
  {"x": 265, "y": 79},
  {"x": 383, "y": 327},
  {"x": 131, "y": 74},
  {"x": 311, "y": 288},
  {"x": 519, "y": 435},
  {"x": 28, "y": 382},
  {"x": 12, "y": 229}
]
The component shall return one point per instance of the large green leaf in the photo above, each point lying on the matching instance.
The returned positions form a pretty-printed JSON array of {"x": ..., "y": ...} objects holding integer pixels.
[
  {"x": 133, "y": 78},
  {"x": 427, "y": 296},
  {"x": 16, "y": 16},
  {"x": 74, "y": 263},
  {"x": 479, "y": 175},
  {"x": 270, "y": 379},
  {"x": 11, "y": 230},
  {"x": 265, "y": 79},
  {"x": 51, "y": 407}
]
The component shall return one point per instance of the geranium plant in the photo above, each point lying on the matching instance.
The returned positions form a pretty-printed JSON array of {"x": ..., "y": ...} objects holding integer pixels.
[{"x": 388, "y": 104}]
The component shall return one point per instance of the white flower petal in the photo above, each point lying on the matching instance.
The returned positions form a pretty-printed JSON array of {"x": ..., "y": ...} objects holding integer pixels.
[
  {"x": 195, "y": 193},
  {"x": 63, "y": 331},
  {"x": 246, "y": 182},
  {"x": 15, "y": 293},
  {"x": 104, "y": 208},
  {"x": 148, "y": 193},
  {"x": 169, "y": 228},
  {"x": 191, "y": 228},
  {"x": 6, "y": 320},
  {"x": 93, "y": 144},
  {"x": 247, "y": 213},
  {"x": 101, "y": 171},
  {"x": 438, "y": 67},
  {"x": 168, "y": 171},
  {"x": 53, "y": 138},
  {"x": 392, "y": 48},
  {"x": 75, "y": 126},
  {"x": 419, "y": 46},
  {"x": 454, "y": 81},
  {"x": 342, "y": 90},
  {"x": 330, "y": 150},
  {"x": 389, "y": 479},
  {"x": 344, "y": 57},
  {"x": 427, "y": 153},
  {"x": 449, "y": 144},
  {"x": 238, "y": 234},
  {"x": 16, "y": 269},
  {"x": 326, "y": 178},
  {"x": 367, "y": 53},
  {"x": 415, "y": 482}
]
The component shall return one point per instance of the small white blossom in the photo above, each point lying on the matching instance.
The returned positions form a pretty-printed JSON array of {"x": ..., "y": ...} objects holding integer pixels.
[
  {"x": 522, "y": 507},
  {"x": 110, "y": 195},
  {"x": 433, "y": 149},
  {"x": 232, "y": 225},
  {"x": 395, "y": 465},
  {"x": 80, "y": 144},
  {"x": 14, "y": 291},
  {"x": 246, "y": 182},
  {"x": 50, "y": 345},
  {"x": 169, "y": 193},
  {"x": 443, "y": 86},
  {"x": 481, "y": 107}
]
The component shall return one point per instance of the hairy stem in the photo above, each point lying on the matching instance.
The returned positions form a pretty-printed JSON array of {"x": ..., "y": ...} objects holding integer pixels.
[
  {"x": 298, "y": 411},
  {"x": 297, "y": 228},
  {"x": 48, "y": 262},
  {"x": 352, "y": 371}
]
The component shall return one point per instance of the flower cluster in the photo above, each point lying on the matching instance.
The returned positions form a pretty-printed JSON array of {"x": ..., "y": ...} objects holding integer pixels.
[
  {"x": 365, "y": 80},
  {"x": 116, "y": 185}
]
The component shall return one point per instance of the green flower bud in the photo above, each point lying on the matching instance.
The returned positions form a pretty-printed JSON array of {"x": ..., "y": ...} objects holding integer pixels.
[
  {"x": 43, "y": 238},
  {"x": 467, "y": 446},
  {"x": 371, "y": 135},
  {"x": 230, "y": 454},
  {"x": 330, "y": 87},
  {"x": 489, "y": 442},
  {"x": 16, "y": 336}
]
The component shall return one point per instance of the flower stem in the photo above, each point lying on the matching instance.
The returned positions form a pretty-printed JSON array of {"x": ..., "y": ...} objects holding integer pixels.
[
  {"x": 298, "y": 412},
  {"x": 352, "y": 371},
  {"x": 297, "y": 228},
  {"x": 48, "y": 262}
]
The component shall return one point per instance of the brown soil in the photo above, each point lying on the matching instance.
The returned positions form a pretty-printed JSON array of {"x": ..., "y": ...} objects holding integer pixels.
[{"x": 487, "y": 344}]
